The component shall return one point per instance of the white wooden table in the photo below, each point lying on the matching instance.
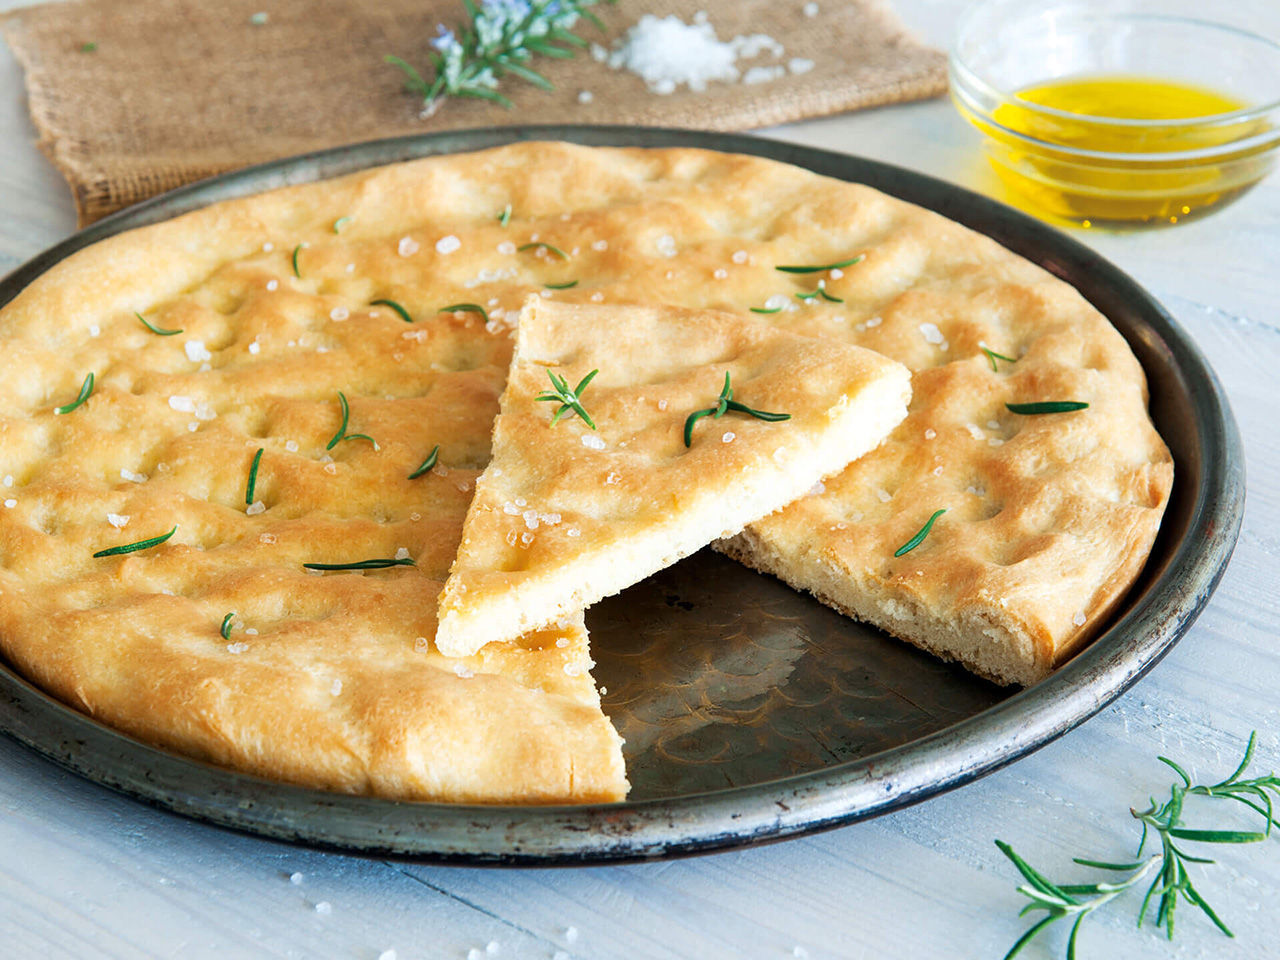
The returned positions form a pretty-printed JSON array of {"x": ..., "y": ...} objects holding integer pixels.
[{"x": 85, "y": 872}]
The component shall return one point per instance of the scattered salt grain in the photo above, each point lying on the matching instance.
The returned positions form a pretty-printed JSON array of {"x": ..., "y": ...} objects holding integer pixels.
[
  {"x": 273, "y": 284},
  {"x": 937, "y": 471},
  {"x": 11, "y": 503},
  {"x": 267, "y": 538},
  {"x": 251, "y": 631},
  {"x": 193, "y": 426},
  {"x": 562, "y": 642},
  {"x": 196, "y": 351},
  {"x": 667, "y": 246},
  {"x": 810, "y": 10},
  {"x": 740, "y": 256},
  {"x": 883, "y": 495},
  {"x": 182, "y": 404},
  {"x": 1079, "y": 618},
  {"x": 571, "y": 934},
  {"x": 350, "y": 268},
  {"x": 492, "y": 947},
  {"x": 463, "y": 671},
  {"x": 255, "y": 508},
  {"x": 526, "y": 538},
  {"x": 931, "y": 333},
  {"x": 521, "y": 502},
  {"x": 573, "y": 532},
  {"x": 324, "y": 907},
  {"x": 727, "y": 436},
  {"x": 255, "y": 346},
  {"x": 331, "y": 468},
  {"x": 573, "y": 670},
  {"x": 993, "y": 424},
  {"x": 237, "y": 647},
  {"x": 591, "y": 441},
  {"x": 408, "y": 246},
  {"x": 94, "y": 330},
  {"x": 338, "y": 314},
  {"x": 268, "y": 247},
  {"x": 597, "y": 297},
  {"x": 835, "y": 273},
  {"x": 721, "y": 273},
  {"x": 762, "y": 75},
  {"x": 530, "y": 518},
  {"x": 387, "y": 955},
  {"x": 800, "y": 953},
  {"x": 8, "y": 480},
  {"x": 874, "y": 322},
  {"x": 930, "y": 433},
  {"x": 258, "y": 19},
  {"x": 127, "y": 474},
  {"x": 995, "y": 442},
  {"x": 335, "y": 688},
  {"x": 799, "y": 65},
  {"x": 295, "y": 879},
  {"x": 475, "y": 953},
  {"x": 118, "y": 520},
  {"x": 421, "y": 644},
  {"x": 585, "y": 96},
  {"x": 402, "y": 553},
  {"x": 976, "y": 491},
  {"x": 612, "y": 478},
  {"x": 776, "y": 302},
  {"x": 448, "y": 244},
  {"x": 662, "y": 404},
  {"x": 975, "y": 431}
]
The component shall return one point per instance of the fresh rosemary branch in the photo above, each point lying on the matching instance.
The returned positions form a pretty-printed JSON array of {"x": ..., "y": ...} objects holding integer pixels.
[
  {"x": 993, "y": 357},
  {"x": 136, "y": 545},
  {"x": 153, "y": 328},
  {"x": 505, "y": 216},
  {"x": 377, "y": 564},
  {"x": 923, "y": 532},
  {"x": 427, "y": 464},
  {"x": 225, "y": 629},
  {"x": 764, "y": 309},
  {"x": 725, "y": 403},
  {"x": 567, "y": 285},
  {"x": 86, "y": 391},
  {"x": 253, "y": 477},
  {"x": 404, "y": 314},
  {"x": 499, "y": 37},
  {"x": 568, "y": 399},
  {"x": 1172, "y": 881},
  {"x": 296, "y": 272},
  {"x": 1046, "y": 406},
  {"x": 340, "y": 223}
]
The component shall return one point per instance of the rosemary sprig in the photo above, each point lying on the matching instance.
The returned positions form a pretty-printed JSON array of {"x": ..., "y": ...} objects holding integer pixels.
[
  {"x": 225, "y": 629},
  {"x": 137, "y": 545},
  {"x": 342, "y": 434},
  {"x": 376, "y": 564},
  {"x": 550, "y": 248},
  {"x": 1046, "y": 406},
  {"x": 499, "y": 37},
  {"x": 86, "y": 391},
  {"x": 505, "y": 216},
  {"x": 382, "y": 302},
  {"x": 253, "y": 477},
  {"x": 153, "y": 328},
  {"x": 466, "y": 308},
  {"x": 764, "y": 309},
  {"x": 296, "y": 272},
  {"x": 993, "y": 357},
  {"x": 725, "y": 403},
  {"x": 568, "y": 399},
  {"x": 1172, "y": 881},
  {"x": 920, "y": 534},
  {"x": 427, "y": 464},
  {"x": 824, "y": 266},
  {"x": 568, "y": 285},
  {"x": 819, "y": 292},
  {"x": 340, "y": 223}
]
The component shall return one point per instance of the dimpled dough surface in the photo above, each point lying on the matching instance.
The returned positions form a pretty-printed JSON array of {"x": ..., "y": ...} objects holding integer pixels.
[{"x": 1049, "y": 518}]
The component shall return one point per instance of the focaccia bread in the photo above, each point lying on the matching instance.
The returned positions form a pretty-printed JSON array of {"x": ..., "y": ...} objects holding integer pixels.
[
  {"x": 568, "y": 512},
  {"x": 1048, "y": 518}
]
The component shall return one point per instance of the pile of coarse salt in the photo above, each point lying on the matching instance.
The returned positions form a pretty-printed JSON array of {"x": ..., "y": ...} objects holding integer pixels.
[{"x": 667, "y": 52}]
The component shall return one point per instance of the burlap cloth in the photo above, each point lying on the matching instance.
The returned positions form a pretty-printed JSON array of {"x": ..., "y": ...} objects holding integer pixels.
[{"x": 176, "y": 90}]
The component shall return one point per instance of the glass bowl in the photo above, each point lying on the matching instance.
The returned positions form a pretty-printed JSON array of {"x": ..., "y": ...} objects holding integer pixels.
[{"x": 1108, "y": 165}]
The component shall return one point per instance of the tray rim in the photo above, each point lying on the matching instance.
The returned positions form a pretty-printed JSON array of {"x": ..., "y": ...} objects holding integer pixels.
[{"x": 702, "y": 822}]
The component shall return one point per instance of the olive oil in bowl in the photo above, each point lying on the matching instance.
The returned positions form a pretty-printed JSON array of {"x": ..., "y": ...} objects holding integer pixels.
[{"x": 1121, "y": 150}]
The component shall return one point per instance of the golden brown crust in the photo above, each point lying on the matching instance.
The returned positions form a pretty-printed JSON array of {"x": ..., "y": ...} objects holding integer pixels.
[
  {"x": 1067, "y": 509},
  {"x": 566, "y": 514}
]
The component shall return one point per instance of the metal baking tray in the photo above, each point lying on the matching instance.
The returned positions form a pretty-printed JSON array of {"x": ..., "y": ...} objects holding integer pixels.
[{"x": 751, "y": 712}]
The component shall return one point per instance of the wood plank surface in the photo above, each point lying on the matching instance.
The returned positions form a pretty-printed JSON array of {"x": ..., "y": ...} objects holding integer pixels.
[{"x": 87, "y": 873}]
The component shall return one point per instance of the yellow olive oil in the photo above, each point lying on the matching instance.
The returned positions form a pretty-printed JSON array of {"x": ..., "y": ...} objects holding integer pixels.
[{"x": 1121, "y": 150}]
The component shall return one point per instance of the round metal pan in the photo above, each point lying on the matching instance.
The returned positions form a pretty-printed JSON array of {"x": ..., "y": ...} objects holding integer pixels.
[{"x": 751, "y": 713}]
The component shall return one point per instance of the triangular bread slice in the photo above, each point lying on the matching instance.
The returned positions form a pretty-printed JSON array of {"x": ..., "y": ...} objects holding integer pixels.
[{"x": 565, "y": 514}]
